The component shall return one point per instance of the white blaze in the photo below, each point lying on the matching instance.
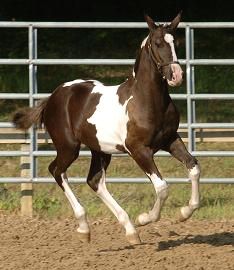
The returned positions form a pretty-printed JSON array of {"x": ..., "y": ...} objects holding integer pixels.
[{"x": 169, "y": 39}]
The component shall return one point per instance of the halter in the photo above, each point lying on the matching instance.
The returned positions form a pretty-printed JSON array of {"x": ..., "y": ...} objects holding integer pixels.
[{"x": 156, "y": 63}]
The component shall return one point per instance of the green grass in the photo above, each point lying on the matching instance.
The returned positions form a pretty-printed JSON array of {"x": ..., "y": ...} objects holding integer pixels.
[{"x": 217, "y": 201}]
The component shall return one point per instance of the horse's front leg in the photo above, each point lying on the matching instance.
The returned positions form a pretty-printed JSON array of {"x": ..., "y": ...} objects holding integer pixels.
[
  {"x": 178, "y": 150},
  {"x": 144, "y": 158}
]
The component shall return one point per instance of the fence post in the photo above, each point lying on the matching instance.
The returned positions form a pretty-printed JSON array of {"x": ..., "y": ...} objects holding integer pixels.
[{"x": 26, "y": 188}]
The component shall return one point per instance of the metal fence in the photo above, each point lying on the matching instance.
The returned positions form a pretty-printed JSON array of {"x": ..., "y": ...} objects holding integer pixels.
[{"x": 33, "y": 61}]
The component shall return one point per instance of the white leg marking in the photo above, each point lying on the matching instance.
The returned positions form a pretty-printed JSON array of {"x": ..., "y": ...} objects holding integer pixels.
[
  {"x": 194, "y": 175},
  {"x": 120, "y": 214},
  {"x": 159, "y": 184},
  {"x": 187, "y": 211},
  {"x": 77, "y": 208},
  {"x": 161, "y": 189}
]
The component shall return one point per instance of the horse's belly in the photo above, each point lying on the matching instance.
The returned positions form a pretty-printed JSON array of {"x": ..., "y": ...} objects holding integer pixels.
[
  {"x": 110, "y": 133},
  {"x": 110, "y": 142}
]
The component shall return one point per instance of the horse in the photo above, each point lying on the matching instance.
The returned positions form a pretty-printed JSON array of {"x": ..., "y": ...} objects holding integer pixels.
[{"x": 137, "y": 117}]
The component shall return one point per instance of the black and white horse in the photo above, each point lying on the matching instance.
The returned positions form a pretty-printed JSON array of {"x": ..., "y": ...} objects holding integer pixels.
[{"x": 137, "y": 117}]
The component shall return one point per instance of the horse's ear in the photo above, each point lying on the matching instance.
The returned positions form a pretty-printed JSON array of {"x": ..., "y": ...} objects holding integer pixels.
[
  {"x": 176, "y": 21},
  {"x": 150, "y": 22}
]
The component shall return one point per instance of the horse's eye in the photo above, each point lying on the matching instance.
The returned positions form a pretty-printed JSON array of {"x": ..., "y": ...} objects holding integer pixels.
[{"x": 157, "y": 42}]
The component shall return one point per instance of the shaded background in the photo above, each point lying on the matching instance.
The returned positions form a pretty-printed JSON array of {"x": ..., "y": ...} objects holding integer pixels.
[
  {"x": 114, "y": 43},
  {"x": 104, "y": 10}
]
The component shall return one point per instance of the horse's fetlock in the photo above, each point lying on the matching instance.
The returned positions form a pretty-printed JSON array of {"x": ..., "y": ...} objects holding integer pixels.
[
  {"x": 163, "y": 192},
  {"x": 194, "y": 206},
  {"x": 80, "y": 214}
]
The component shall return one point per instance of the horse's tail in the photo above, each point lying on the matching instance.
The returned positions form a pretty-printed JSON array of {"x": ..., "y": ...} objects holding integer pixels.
[{"x": 24, "y": 118}]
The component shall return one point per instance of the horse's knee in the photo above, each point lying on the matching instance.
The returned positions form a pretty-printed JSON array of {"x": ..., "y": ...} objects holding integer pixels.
[
  {"x": 191, "y": 162},
  {"x": 193, "y": 168},
  {"x": 93, "y": 180},
  {"x": 195, "y": 171}
]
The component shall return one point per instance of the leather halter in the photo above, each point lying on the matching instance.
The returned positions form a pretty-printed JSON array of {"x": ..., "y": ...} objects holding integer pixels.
[{"x": 157, "y": 63}]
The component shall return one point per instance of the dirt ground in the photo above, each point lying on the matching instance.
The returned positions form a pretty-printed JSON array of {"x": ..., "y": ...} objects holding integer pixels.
[{"x": 52, "y": 244}]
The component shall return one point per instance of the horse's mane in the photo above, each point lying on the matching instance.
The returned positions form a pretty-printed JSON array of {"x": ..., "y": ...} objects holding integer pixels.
[{"x": 137, "y": 61}]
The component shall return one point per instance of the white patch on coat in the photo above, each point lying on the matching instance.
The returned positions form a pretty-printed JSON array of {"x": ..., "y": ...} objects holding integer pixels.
[
  {"x": 72, "y": 82},
  {"x": 169, "y": 39},
  {"x": 110, "y": 119},
  {"x": 80, "y": 81},
  {"x": 144, "y": 42}
]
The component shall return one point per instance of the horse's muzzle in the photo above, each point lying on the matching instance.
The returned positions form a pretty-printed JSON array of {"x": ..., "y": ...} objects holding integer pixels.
[{"x": 177, "y": 75}]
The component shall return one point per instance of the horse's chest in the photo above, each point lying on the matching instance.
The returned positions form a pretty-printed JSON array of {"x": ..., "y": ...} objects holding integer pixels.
[
  {"x": 167, "y": 128},
  {"x": 110, "y": 120}
]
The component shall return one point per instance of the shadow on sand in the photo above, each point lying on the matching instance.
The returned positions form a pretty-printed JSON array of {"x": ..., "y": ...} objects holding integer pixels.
[{"x": 217, "y": 239}]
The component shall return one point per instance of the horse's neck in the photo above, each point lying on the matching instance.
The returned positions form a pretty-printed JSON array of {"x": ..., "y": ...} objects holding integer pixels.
[{"x": 148, "y": 81}]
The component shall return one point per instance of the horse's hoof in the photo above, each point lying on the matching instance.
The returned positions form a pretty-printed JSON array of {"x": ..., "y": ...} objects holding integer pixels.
[
  {"x": 83, "y": 237},
  {"x": 185, "y": 213},
  {"x": 133, "y": 239},
  {"x": 142, "y": 219},
  {"x": 181, "y": 218}
]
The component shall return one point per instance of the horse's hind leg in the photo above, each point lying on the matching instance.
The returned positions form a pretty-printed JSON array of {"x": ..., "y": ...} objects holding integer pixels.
[
  {"x": 66, "y": 154},
  {"x": 97, "y": 181},
  {"x": 178, "y": 150}
]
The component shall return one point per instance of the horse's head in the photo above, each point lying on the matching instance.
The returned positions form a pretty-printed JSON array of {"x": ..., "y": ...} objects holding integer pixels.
[{"x": 162, "y": 51}]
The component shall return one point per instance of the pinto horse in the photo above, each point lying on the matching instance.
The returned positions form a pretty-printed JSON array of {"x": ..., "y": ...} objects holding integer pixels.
[{"x": 136, "y": 117}]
